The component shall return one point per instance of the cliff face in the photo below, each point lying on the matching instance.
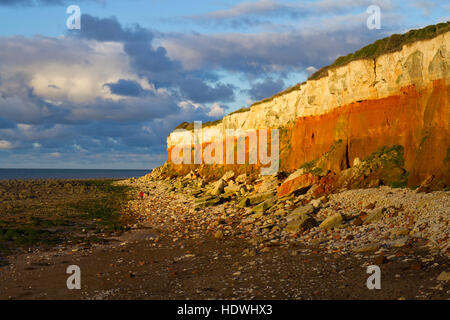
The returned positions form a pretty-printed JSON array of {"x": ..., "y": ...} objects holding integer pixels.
[{"x": 400, "y": 98}]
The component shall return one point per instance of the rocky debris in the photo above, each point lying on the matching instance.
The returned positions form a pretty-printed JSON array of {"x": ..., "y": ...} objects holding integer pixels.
[{"x": 359, "y": 221}]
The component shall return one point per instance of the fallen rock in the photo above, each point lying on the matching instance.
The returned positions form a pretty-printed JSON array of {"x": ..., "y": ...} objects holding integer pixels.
[
  {"x": 269, "y": 203},
  {"x": 444, "y": 276},
  {"x": 425, "y": 186},
  {"x": 218, "y": 235},
  {"x": 380, "y": 260},
  {"x": 375, "y": 215},
  {"x": 332, "y": 222},
  {"x": 367, "y": 248},
  {"x": 356, "y": 162},
  {"x": 302, "y": 222},
  {"x": 227, "y": 176},
  {"x": 316, "y": 203},
  {"x": 260, "y": 197},
  {"x": 241, "y": 178},
  {"x": 219, "y": 187},
  {"x": 300, "y": 211},
  {"x": 300, "y": 184},
  {"x": 358, "y": 222}
]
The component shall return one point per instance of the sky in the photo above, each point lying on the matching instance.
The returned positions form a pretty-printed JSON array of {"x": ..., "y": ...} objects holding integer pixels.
[{"x": 107, "y": 95}]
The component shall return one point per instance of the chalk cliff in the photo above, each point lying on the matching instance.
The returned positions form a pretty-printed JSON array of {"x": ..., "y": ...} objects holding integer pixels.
[{"x": 399, "y": 98}]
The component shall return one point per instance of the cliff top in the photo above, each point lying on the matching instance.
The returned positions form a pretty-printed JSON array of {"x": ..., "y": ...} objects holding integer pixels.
[{"x": 380, "y": 47}]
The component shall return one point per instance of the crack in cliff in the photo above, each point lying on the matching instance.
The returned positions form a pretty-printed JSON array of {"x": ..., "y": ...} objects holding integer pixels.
[
  {"x": 347, "y": 159},
  {"x": 375, "y": 72}
]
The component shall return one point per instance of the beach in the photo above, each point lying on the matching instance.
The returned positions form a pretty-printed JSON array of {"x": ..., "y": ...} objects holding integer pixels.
[{"x": 170, "y": 248}]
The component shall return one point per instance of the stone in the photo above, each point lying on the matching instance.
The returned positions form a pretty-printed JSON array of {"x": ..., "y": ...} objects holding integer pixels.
[
  {"x": 380, "y": 260},
  {"x": 228, "y": 175},
  {"x": 300, "y": 184},
  {"x": 302, "y": 222},
  {"x": 316, "y": 203},
  {"x": 300, "y": 211},
  {"x": 358, "y": 222},
  {"x": 356, "y": 162},
  {"x": 219, "y": 187},
  {"x": 268, "y": 184},
  {"x": 269, "y": 203},
  {"x": 245, "y": 202},
  {"x": 416, "y": 266},
  {"x": 232, "y": 188},
  {"x": 218, "y": 235},
  {"x": 260, "y": 197},
  {"x": 370, "y": 206},
  {"x": 201, "y": 183},
  {"x": 425, "y": 185},
  {"x": 241, "y": 178},
  {"x": 399, "y": 243},
  {"x": 374, "y": 215},
  {"x": 332, "y": 222},
  {"x": 207, "y": 203},
  {"x": 401, "y": 232},
  {"x": 444, "y": 276},
  {"x": 367, "y": 248}
]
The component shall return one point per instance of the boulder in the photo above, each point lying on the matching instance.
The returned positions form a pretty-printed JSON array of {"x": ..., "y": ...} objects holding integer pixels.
[
  {"x": 332, "y": 222},
  {"x": 228, "y": 175},
  {"x": 207, "y": 203},
  {"x": 300, "y": 211},
  {"x": 241, "y": 178},
  {"x": 444, "y": 276},
  {"x": 374, "y": 215},
  {"x": 299, "y": 184},
  {"x": 266, "y": 205},
  {"x": 302, "y": 222},
  {"x": 367, "y": 248},
  {"x": 260, "y": 197},
  {"x": 233, "y": 188},
  {"x": 316, "y": 203},
  {"x": 356, "y": 162},
  {"x": 219, "y": 187},
  {"x": 269, "y": 183}
]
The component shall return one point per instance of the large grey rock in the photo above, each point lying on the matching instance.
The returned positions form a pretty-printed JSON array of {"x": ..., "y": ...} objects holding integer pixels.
[
  {"x": 332, "y": 222},
  {"x": 300, "y": 211},
  {"x": 219, "y": 187},
  {"x": 375, "y": 215},
  {"x": 260, "y": 197},
  {"x": 266, "y": 205},
  {"x": 241, "y": 178},
  {"x": 302, "y": 222},
  {"x": 228, "y": 175}
]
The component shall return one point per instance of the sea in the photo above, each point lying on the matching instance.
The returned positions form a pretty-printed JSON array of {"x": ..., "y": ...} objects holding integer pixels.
[{"x": 22, "y": 174}]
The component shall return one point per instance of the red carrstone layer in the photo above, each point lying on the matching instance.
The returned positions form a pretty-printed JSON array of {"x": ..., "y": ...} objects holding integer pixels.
[{"x": 417, "y": 119}]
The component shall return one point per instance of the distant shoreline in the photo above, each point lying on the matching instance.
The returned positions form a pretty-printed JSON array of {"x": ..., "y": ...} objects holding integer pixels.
[{"x": 70, "y": 174}]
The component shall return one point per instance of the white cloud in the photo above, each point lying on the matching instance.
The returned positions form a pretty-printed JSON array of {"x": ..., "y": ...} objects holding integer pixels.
[
  {"x": 65, "y": 69},
  {"x": 5, "y": 145},
  {"x": 55, "y": 155},
  {"x": 216, "y": 111}
]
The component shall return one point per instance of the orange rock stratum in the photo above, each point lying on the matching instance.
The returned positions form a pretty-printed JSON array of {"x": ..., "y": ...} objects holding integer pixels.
[{"x": 400, "y": 98}]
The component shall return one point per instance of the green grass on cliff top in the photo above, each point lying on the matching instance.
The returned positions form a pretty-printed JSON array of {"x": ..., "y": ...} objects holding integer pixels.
[{"x": 383, "y": 46}]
